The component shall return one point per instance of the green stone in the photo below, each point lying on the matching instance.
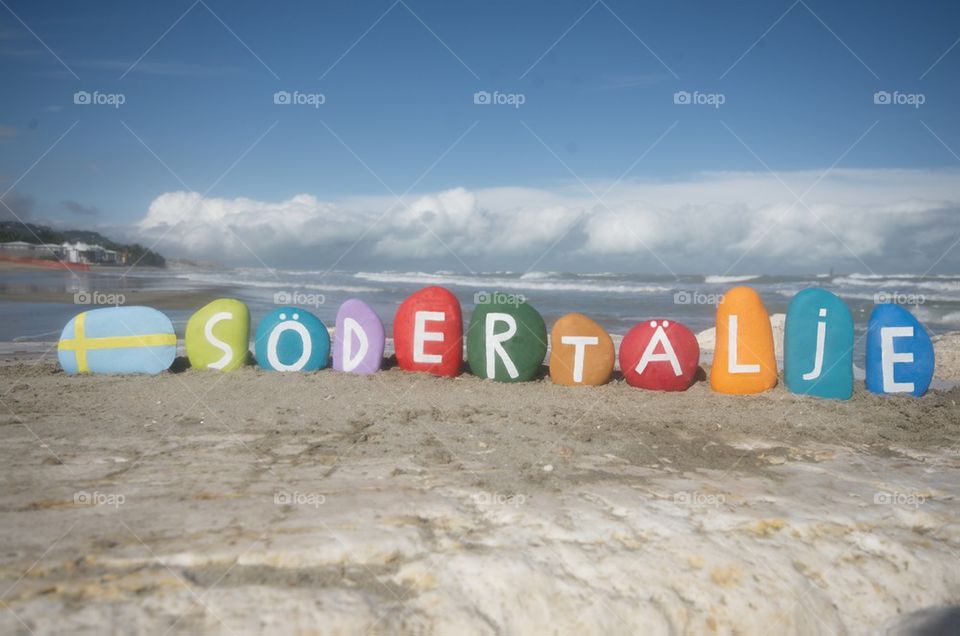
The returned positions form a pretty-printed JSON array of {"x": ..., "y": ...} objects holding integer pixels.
[
  {"x": 507, "y": 339},
  {"x": 218, "y": 335}
]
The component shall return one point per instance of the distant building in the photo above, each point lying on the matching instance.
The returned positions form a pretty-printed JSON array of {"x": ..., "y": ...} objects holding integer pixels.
[{"x": 81, "y": 252}]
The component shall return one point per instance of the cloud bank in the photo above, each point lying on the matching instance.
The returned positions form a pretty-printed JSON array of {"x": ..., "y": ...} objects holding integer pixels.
[{"x": 881, "y": 220}]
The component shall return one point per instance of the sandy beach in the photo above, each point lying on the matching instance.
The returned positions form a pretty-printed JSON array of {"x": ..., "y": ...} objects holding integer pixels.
[{"x": 329, "y": 503}]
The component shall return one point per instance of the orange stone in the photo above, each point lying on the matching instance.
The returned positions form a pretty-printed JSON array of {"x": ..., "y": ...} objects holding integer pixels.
[
  {"x": 581, "y": 352},
  {"x": 743, "y": 359}
]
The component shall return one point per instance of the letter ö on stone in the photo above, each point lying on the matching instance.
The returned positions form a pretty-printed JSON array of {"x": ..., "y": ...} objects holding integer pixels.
[
  {"x": 117, "y": 340},
  {"x": 291, "y": 339},
  {"x": 218, "y": 335},
  {"x": 428, "y": 332},
  {"x": 660, "y": 354},
  {"x": 744, "y": 360},
  {"x": 818, "y": 346},
  {"x": 506, "y": 341},
  {"x": 581, "y": 352},
  {"x": 900, "y": 356},
  {"x": 359, "y": 338}
]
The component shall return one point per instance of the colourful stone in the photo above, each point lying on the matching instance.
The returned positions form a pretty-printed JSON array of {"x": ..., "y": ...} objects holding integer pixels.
[
  {"x": 507, "y": 340},
  {"x": 428, "y": 332},
  {"x": 292, "y": 339},
  {"x": 662, "y": 355},
  {"x": 900, "y": 355},
  {"x": 117, "y": 340},
  {"x": 743, "y": 359},
  {"x": 358, "y": 339},
  {"x": 218, "y": 335},
  {"x": 581, "y": 352},
  {"x": 818, "y": 346}
]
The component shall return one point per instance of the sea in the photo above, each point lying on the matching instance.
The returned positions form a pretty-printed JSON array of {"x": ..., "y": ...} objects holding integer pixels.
[{"x": 35, "y": 305}]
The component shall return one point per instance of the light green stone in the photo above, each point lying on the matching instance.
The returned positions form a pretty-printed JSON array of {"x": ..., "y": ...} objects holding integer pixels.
[
  {"x": 218, "y": 335},
  {"x": 525, "y": 348}
]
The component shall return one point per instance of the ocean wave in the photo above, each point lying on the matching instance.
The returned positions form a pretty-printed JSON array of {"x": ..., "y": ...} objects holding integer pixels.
[
  {"x": 900, "y": 276},
  {"x": 891, "y": 283},
  {"x": 497, "y": 283},
  {"x": 721, "y": 280},
  {"x": 281, "y": 285}
]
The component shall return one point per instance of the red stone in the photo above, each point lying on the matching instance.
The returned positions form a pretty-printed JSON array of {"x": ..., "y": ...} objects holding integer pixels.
[
  {"x": 660, "y": 373},
  {"x": 448, "y": 352}
]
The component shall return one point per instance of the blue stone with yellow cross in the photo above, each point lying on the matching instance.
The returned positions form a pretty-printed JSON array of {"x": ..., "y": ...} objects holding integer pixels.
[{"x": 117, "y": 340}]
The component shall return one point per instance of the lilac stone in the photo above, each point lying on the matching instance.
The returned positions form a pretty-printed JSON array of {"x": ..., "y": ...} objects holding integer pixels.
[{"x": 359, "y": 339}]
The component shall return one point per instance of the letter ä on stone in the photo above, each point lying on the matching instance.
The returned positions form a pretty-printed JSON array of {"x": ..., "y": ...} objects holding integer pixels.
[
  {"x": 661, "y": 355},
  {"x": 818, "y": 346},
  {"x": 428, "y": 332},
  {"x": 359, "y": 338},
  {"x": 506, "y": 341},
  {"x": 581, "y": 352},
  {"x": 900, "y": 356},
  {"x": 292, "y": 339},
  {"x": 218, "y": 335},
  {"x": 117, "y": 340},
  {"x": 744, "y": 360}
]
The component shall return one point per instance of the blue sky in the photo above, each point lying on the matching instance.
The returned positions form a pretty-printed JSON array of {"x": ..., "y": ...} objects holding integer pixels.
[{"x": 597, "y": 80}]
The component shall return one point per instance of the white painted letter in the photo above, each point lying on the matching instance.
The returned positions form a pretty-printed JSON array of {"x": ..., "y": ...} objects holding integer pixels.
[
  {"x": 821, "y": 339},
  {"x": 421, "y": 335},
  {"x": 494, "y": 348},
  {"x": 350, "y": 328},
  {"x": 732, "y": 364},
  {"x": 668, "y": 355},
  {"x": 580, "y": 344},
  {"x": 216, "y": 342},
  {"x": 889, "y": 357},
  {"x": 274, "y": 339}
]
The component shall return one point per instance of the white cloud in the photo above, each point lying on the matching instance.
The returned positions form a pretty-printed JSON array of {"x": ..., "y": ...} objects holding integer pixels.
[{"x": 709, "y": 218}]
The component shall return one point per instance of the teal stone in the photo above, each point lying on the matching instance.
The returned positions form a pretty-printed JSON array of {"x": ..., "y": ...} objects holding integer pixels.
[
  {"x": 818, "y": 346},
  {"x": 506, "y": 340}
]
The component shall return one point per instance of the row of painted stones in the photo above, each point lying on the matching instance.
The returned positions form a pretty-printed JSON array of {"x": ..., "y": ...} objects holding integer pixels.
[{"x": 507, "y": 341}]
